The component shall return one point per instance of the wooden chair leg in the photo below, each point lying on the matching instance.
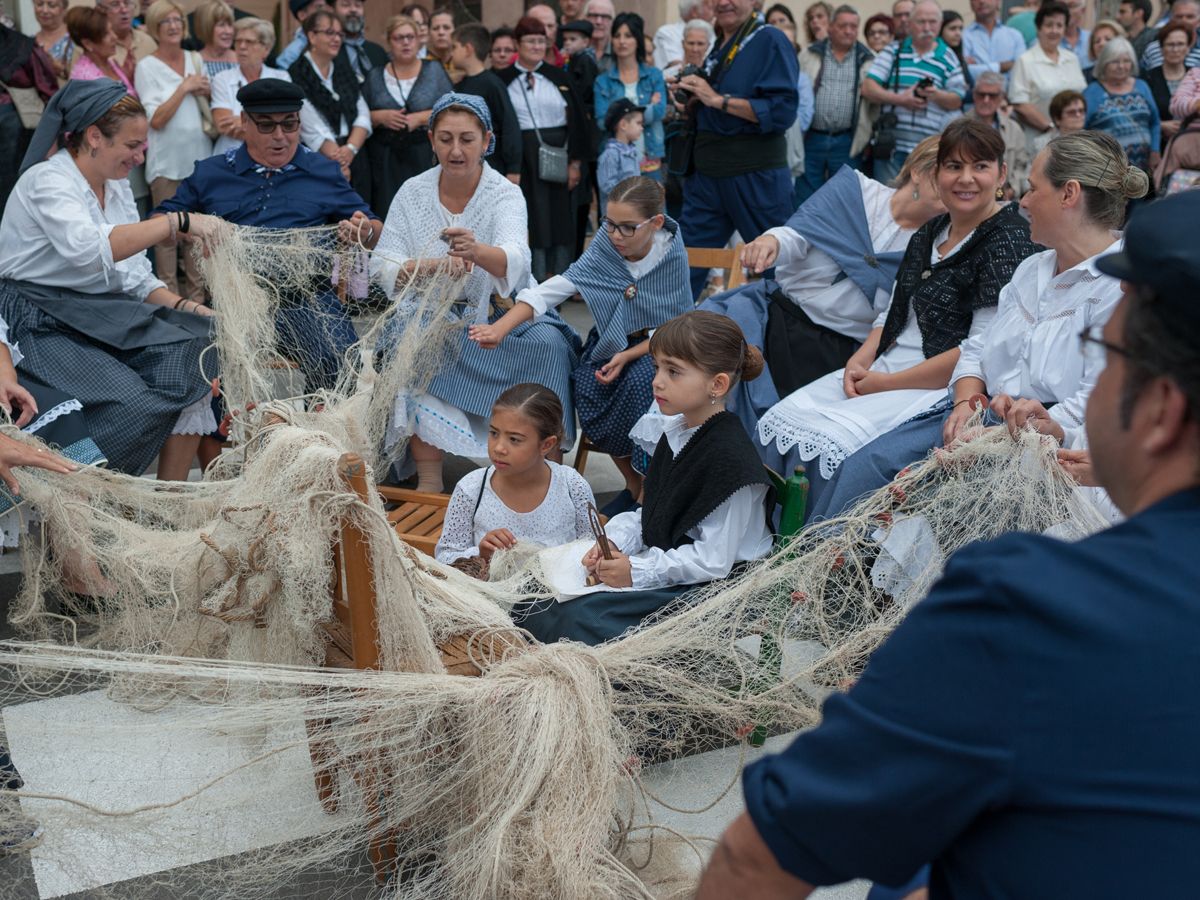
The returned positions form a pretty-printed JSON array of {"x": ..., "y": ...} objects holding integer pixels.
[
  {"x": 324, "y": 771},
  {"x": 581, "y": 454}
]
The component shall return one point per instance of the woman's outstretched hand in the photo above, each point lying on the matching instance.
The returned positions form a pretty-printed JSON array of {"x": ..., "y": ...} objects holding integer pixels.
[{"x": 13, "y": 453}]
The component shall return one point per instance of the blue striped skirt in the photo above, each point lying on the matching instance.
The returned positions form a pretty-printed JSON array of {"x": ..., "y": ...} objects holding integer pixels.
[{"x": 607, "y": 412}]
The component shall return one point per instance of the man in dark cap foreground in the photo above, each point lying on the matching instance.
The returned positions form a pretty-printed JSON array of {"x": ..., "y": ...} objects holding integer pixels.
[
  {"x": 1032, "y": 727},
  {"x": 273, "y": 182}
]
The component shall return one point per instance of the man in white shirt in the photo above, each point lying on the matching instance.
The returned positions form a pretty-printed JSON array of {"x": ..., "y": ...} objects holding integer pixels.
[{"x": 668, "y": 40}]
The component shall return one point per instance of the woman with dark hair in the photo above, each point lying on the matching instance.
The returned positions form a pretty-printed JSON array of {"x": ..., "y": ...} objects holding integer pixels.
[
  {"x": 952, "y": 34},
  {"x": 1164, "y": 80},
  {"x": 779, "y": 16},
  {"x": 1029, "y": 360},
  {"x": 330, "y": 85},
  {"x": 1042, "y": 71},
  {"x": 550, "y": 115},
  {"x": 78, "y": 295},
  {"x": 400, "y": 96},
  {"x": 638, "y": 82},
  {"x": 946, "y": 291},
  {"x": 878, "y": 32},
  {"x": 441, "y": 37}
]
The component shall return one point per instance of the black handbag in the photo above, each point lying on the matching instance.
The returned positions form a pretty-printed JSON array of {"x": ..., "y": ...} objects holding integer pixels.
[{"x": 883, "y": 132}]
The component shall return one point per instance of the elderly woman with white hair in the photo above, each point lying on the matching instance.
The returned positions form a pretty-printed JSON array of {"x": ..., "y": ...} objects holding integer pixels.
[{"x": 1121, "y": 104}]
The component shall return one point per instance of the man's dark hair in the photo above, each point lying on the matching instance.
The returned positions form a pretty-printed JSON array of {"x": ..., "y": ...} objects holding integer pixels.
[
  {"x": 1144, "y": 6},
  {"x": 476, "y": 37},
  {"x": 1156, "y": 346},
  {"x": 1052, "y": 8}
]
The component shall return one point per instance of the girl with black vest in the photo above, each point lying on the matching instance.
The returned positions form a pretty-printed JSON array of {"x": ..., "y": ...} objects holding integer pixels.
[
  {"x": 946, "y": 290},
  {"x": 633, "y": 277},
  {"x": 707, "y": 495},
  {"x": 330, "y": 85}
]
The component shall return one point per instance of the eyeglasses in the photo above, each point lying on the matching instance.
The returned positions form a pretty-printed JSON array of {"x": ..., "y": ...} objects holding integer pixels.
[
  {"x": 623, "y": 228},
  {"x": 174, "y": 20},
  {"x": 534, "y": 41},
  {"x": 328, "y": 32},
  {"x": 268, "y": 126},
  {"x": 1095, "y": 347},
  {"x": 603, "y": 17},
  {"x": 988, "y": 95},
  {"x": 403, "y": 38},
  {"x": 246, "y": 42},
  {"x": 1073, "y": 111}
]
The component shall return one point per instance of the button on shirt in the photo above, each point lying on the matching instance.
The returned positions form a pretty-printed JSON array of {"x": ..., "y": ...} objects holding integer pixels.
[
  {"x": 308, "y": 191},
  {"x": 1030, "y": 728},
  {"x": 1031, "y": 349},
  {"x": 989, "y": 49},
  {"x": 537, "y": 100}
]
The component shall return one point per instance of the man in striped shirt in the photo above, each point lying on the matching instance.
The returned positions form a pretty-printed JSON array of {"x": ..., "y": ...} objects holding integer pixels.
[{"x": 920, "y": 80}]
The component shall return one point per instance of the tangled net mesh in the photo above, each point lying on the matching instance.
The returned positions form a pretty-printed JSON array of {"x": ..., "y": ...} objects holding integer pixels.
[{"x": 205, "y": 630}]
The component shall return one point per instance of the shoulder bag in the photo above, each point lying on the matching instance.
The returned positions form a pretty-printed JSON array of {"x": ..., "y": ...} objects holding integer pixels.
[{"x": 552, "y": 161}]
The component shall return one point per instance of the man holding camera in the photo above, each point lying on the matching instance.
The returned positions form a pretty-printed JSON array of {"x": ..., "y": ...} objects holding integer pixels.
[
  {"x": 920, "y": 85},
  {"x": 743, "y": 101}
]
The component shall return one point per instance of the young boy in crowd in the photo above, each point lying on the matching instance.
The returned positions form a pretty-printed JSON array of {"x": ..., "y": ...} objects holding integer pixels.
[
  {"x": 576, "y": 38},
  {"x": 621, "y": 158}
]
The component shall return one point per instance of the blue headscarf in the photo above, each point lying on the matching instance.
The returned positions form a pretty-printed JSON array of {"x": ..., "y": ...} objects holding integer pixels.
[
  {"x": 74, "y": 107},
  {"x": 471, "y": 104}
]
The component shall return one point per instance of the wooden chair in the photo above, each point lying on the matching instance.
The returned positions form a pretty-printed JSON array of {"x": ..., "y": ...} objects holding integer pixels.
[
  {"x": 418, "y": 518},
  {"x": 727, "y": 258},
  {"x": 353, "y": 643}
]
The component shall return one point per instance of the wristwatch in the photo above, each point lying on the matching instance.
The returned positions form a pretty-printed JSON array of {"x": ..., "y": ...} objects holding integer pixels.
[{"x": 725, "y": 103}]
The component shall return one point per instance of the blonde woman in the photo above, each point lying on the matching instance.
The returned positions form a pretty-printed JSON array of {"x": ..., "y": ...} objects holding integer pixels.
[
  {"x": 171, "y": 84},
  {"x": 214, "y": 28}
]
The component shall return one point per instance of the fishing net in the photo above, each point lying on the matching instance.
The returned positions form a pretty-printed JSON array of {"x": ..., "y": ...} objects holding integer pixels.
[{"x": 202, "y": 631}]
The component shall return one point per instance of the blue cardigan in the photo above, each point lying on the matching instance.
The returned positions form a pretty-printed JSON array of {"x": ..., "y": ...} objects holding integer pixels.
[{"x": 609, "y": 87}]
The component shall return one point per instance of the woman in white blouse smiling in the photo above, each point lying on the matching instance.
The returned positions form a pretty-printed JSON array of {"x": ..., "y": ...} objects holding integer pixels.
[{"x": 1028, "y": 364}]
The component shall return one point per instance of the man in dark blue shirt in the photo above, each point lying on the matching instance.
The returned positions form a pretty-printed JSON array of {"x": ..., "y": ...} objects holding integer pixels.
[
  {"x": 273, "y": 182},
  {"x": 1032, "y": 727},
  {"x": 744, "y": 105}
]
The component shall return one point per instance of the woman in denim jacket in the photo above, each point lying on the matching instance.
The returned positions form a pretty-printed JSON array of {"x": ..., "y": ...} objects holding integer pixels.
[{"x": 632, "y": 77}]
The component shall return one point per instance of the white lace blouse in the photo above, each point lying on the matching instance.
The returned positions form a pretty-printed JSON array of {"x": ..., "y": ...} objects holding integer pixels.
[
  {"x": 496, "y": 214},
  {"x": 1031, "y": 349},
  {"x": 560, "y": 518}
]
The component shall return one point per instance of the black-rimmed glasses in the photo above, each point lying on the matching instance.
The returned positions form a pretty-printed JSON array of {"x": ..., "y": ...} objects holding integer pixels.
[
  {"x": 268, "y": 126},
  {"x": 623, "y": 228},
  {"x": 1094, "y": 346}
]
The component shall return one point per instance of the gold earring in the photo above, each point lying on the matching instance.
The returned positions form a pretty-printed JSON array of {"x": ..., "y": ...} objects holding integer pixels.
[{"x": 999, "y": 193}]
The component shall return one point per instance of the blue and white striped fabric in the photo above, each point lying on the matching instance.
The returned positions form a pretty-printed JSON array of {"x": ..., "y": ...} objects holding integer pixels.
[{"x": 621, "y": 305}]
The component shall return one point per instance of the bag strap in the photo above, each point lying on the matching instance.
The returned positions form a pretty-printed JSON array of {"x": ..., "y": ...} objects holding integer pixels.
[
  {"x": 482, "y": 487},
  {"x": 525, "y": 91}
]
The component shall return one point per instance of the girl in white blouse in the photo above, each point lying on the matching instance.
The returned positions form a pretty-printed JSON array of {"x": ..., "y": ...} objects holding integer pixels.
[
  {"x": 707, "y": 495},
  {"x": 521, "y": 495},
  {"x": 1027, "y": 366}
]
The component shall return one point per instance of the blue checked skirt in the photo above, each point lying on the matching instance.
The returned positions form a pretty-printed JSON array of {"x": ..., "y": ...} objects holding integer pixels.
[
  {"x": 132, "y": 397},
  {"x": 607, "y": 412}
]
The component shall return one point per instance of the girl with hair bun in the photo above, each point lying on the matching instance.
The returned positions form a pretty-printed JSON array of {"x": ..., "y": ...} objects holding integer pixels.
[
  {"x": 1028, "y": 365},
  {"x": 633, "y": 277},
  {"x": 707, "y": 498}
]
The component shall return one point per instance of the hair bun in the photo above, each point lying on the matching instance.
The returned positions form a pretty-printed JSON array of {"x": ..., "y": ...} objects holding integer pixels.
[
  {"x": 1135, "y": 184},
  {"x": 752, "y": 365}
]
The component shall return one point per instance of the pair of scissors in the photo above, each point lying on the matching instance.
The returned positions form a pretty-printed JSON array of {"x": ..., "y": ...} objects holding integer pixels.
[{"x": 601, "y": 539}]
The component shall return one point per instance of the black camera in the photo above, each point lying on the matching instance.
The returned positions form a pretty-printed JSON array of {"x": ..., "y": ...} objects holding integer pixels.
[
  {"x": 682, "y": 96},
  {"x": 922, "y": 86}
]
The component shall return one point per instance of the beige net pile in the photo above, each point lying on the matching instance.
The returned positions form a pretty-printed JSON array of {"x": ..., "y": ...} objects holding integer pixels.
[{"x": 521, "y": 783}]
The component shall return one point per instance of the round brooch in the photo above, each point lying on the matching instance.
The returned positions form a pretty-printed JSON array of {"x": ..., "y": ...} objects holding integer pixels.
[{"x": 631, "y": 292}]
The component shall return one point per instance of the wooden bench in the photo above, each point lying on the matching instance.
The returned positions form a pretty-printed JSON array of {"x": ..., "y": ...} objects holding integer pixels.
[{"x": 418, "y": 517}]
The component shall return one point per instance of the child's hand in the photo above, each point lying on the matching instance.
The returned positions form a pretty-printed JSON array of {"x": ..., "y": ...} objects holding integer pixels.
[
  {"x": 590, "y": 558},
  {"x": 496, "y": 539},
  {"x": 486, "y": 336},
  {"x": 611, "y": 371},
  {"x": 616, "y": 572}
]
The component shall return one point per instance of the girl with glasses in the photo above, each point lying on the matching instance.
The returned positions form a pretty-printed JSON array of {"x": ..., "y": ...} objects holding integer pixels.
[{"x": 633, "y": 278}]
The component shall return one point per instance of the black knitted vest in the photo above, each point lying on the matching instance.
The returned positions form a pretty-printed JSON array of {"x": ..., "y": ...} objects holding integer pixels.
[{"x": 331, "y": 109}]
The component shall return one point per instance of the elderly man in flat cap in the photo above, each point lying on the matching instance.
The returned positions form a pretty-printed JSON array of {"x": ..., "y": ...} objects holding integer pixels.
[
  {"x": 1031, "y": 729},
  {"x": 271, "y": 181}
]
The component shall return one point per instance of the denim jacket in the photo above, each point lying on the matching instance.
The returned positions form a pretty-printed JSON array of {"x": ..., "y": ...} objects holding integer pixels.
[{"x": 609, "y": 87}]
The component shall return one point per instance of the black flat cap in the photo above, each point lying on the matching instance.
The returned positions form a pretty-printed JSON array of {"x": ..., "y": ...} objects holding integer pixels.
[
  {"x": 583, "y": 26},
  {"x": 1161, "y": 252},
  {"x": 270, "y": 95},
  {"x": 617, "y": 110}
]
